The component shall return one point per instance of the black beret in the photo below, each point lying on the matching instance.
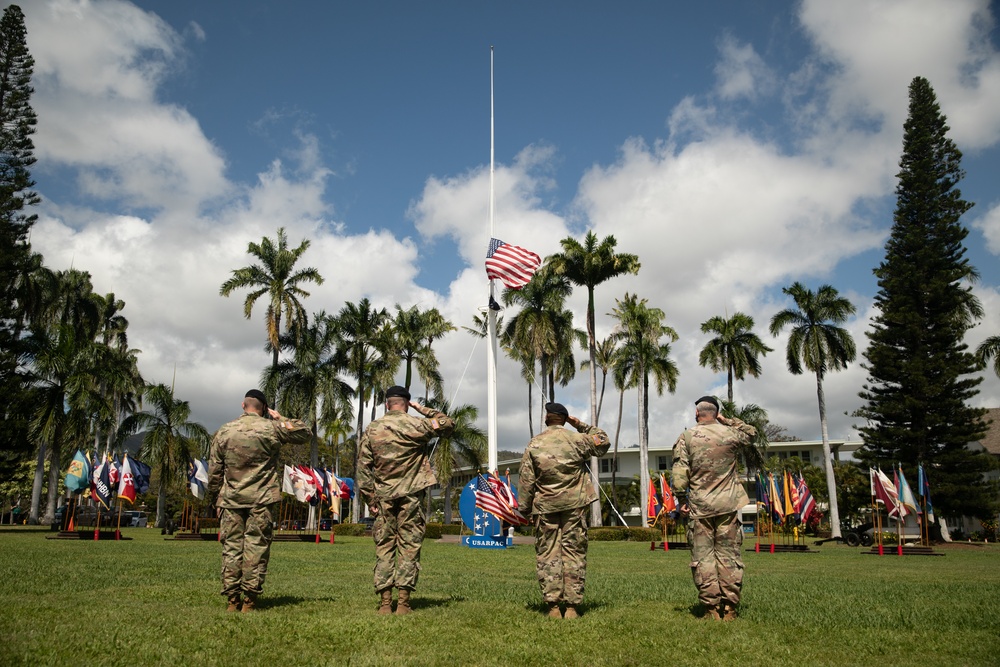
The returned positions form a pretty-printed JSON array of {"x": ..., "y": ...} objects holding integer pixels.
[
  {"x": 397, "y": 392},
  {"x": 258, "y": 394},
  {"x": 556, "y": 409},
  {"x": 708, "y": 399}
]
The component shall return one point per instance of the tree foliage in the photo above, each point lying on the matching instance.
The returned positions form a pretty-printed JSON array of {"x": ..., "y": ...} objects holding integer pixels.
[
  {"x": 921, "y": 376},
  {"x": 818, "y": 344},
  {"x": 17, "y": 124}
]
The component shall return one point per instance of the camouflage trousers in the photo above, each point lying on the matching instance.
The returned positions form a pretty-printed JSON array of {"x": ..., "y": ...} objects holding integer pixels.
[
  {"x": 398, "y": 532},
  {"x": 246, "y": 547},
  {"x": 561, "y": 555},
  {"x": 715, "y": 558}
]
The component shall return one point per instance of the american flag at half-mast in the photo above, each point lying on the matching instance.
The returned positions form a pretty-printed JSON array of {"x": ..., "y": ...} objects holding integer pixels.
[
  {"x": 501, "y": 505},
  {"x": 510, "y": 264}
]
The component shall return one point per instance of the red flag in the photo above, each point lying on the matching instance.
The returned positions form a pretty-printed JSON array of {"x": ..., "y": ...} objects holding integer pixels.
[
  {"x": 126, "y": 485},
  {"x": 511, "y": 264},
  {"x": 652, "y": 504},
  {"x": 669, "y": 502},
  {"x": 884, "y": 491}
]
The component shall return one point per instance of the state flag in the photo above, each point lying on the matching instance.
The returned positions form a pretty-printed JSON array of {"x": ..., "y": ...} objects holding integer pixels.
[{"x": 78, "y": 475}]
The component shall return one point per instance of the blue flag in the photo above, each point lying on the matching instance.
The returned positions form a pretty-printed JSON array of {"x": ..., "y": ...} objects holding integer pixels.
[
  {"x": 102, "y": 484},
  {"x": 141, "y": 472}
]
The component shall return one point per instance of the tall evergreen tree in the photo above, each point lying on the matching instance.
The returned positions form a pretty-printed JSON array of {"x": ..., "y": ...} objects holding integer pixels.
[
  {"x": 17, "y": 124},
  {"x": 921, "y": 375}
]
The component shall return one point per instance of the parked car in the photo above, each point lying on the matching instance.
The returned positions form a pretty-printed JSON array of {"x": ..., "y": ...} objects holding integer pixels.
[
  {"x": 327, "y": 524},
  {"x": 137, "y": 519}
]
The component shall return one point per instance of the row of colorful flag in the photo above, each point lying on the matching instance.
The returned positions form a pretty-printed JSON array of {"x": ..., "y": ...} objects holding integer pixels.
[
  {"x": 896, "y": 495},
  {"x": 125, "y": 477},
  {"x": 317, "y": 486},
  {"x": 784, "y": 497}
]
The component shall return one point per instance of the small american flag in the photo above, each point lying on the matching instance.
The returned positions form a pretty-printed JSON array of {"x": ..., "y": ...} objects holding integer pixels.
[
  {"x": 488, "y": 500},
  {"x": 511, "y": 264}
]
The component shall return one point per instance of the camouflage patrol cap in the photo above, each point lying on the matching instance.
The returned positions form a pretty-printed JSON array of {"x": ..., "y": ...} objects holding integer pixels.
[
  {"x": 708, "y": 399},
  {"x": 556, "y": 409},
  {"x": 397, "y": 392},
  {"x": 259, "y": 395}
]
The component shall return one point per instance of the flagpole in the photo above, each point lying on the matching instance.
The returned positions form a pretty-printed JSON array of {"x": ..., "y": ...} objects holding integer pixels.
[{"x": 491, "y": 317}]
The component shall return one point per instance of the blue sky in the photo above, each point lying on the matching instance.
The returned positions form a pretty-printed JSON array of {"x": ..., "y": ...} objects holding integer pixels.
[{"x": 734, "y": 146}]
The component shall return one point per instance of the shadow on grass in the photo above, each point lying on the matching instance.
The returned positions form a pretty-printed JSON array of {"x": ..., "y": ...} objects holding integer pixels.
[{"x": 429, "y": 603}]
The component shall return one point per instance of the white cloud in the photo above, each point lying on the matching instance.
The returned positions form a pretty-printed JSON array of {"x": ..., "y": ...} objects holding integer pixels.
[
  {"x": 720, "y": 219},
  {"x": 740, "y": 71},
  {"x": 990, "y": 226}
]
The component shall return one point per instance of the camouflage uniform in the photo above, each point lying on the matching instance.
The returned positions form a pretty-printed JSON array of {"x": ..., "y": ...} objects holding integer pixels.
[
  {"x": 393, "y": 473},
  {"x": 705, "y": 469},
  {"x": 243, "y": 475},
  {"x": 556, "y": 488}
]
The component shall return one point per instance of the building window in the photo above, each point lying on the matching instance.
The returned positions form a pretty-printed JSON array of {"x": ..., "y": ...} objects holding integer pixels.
[
  {"x": 606, "y": 465},
  {"x": 661, "y": 462}
]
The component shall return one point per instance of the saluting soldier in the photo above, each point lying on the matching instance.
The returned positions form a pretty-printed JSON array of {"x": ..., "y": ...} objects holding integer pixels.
[
  {"x": 706, "y": 483},
  {"x": 555, "y": 489},
  {"x": 244, "y": 481},
  {"x": 393, "y": 474}
]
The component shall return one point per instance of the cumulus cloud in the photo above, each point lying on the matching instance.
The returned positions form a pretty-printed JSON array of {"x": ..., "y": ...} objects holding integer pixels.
[{"x": 720, "y": 217}]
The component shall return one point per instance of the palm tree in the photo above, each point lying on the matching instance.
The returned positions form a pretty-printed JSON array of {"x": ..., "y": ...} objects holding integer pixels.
[
  {"x": 640, "y": 330},
  {"x": 359, "y": 336},
  {"x": 415, "y": 332},
  {"x": 275, "y": 276},
  {"x": 526, "y": 360},
  {"x": 309, "y": 384},
  {"x": 435, "y": 327},
  {"x": 589, "y": 264},
  {"x": 538, "y": 329},
  {"x": 604, "y": 355},
  {"x": 61, "y": 374},
  {"x": 65, "y": 321},
  {"x": 735, "y": 348},
  {"x": 170, "y": 441},
  {"x": 819, "y": 345},
  {"x": 989, "y": 349},
  {"x": 465, "y": 446}
]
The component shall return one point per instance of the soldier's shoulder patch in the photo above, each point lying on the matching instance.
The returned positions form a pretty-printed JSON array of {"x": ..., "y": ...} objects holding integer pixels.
[
  {"x": 435, "y": 424},
  {"x": 596, "y": 438}
]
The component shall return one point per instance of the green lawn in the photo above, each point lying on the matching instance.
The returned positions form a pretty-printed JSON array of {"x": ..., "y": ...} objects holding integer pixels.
[{"x": 150, "y": 601}]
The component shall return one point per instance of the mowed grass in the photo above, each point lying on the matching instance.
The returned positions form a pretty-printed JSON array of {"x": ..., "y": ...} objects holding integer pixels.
[{"x": 151, "y": 601}]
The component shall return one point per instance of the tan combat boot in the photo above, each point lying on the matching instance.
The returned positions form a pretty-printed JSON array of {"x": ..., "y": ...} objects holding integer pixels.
[
  {"x": 727, "y": 612},
  {"x": 571, "y": 612},
  {"x": 403, "y": 603},
  {"x": 554, "y": 610},
  {"x": 713, "y": 613},
  {"x": 249, "y": 603},
  {"x": 385, "y": 605},
  {"x": 234, "y": 603}
]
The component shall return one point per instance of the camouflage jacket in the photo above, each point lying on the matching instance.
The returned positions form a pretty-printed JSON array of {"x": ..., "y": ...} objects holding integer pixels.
[
  {"x": 705, "y": 467},
  {"x": 552, "y": 476},
  {"x": 394, "y": 457},
  {"x": 243, "y": 462}
]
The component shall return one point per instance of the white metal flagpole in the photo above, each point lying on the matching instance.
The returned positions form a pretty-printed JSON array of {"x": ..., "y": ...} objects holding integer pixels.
[{"x": 491, "y": 316}]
